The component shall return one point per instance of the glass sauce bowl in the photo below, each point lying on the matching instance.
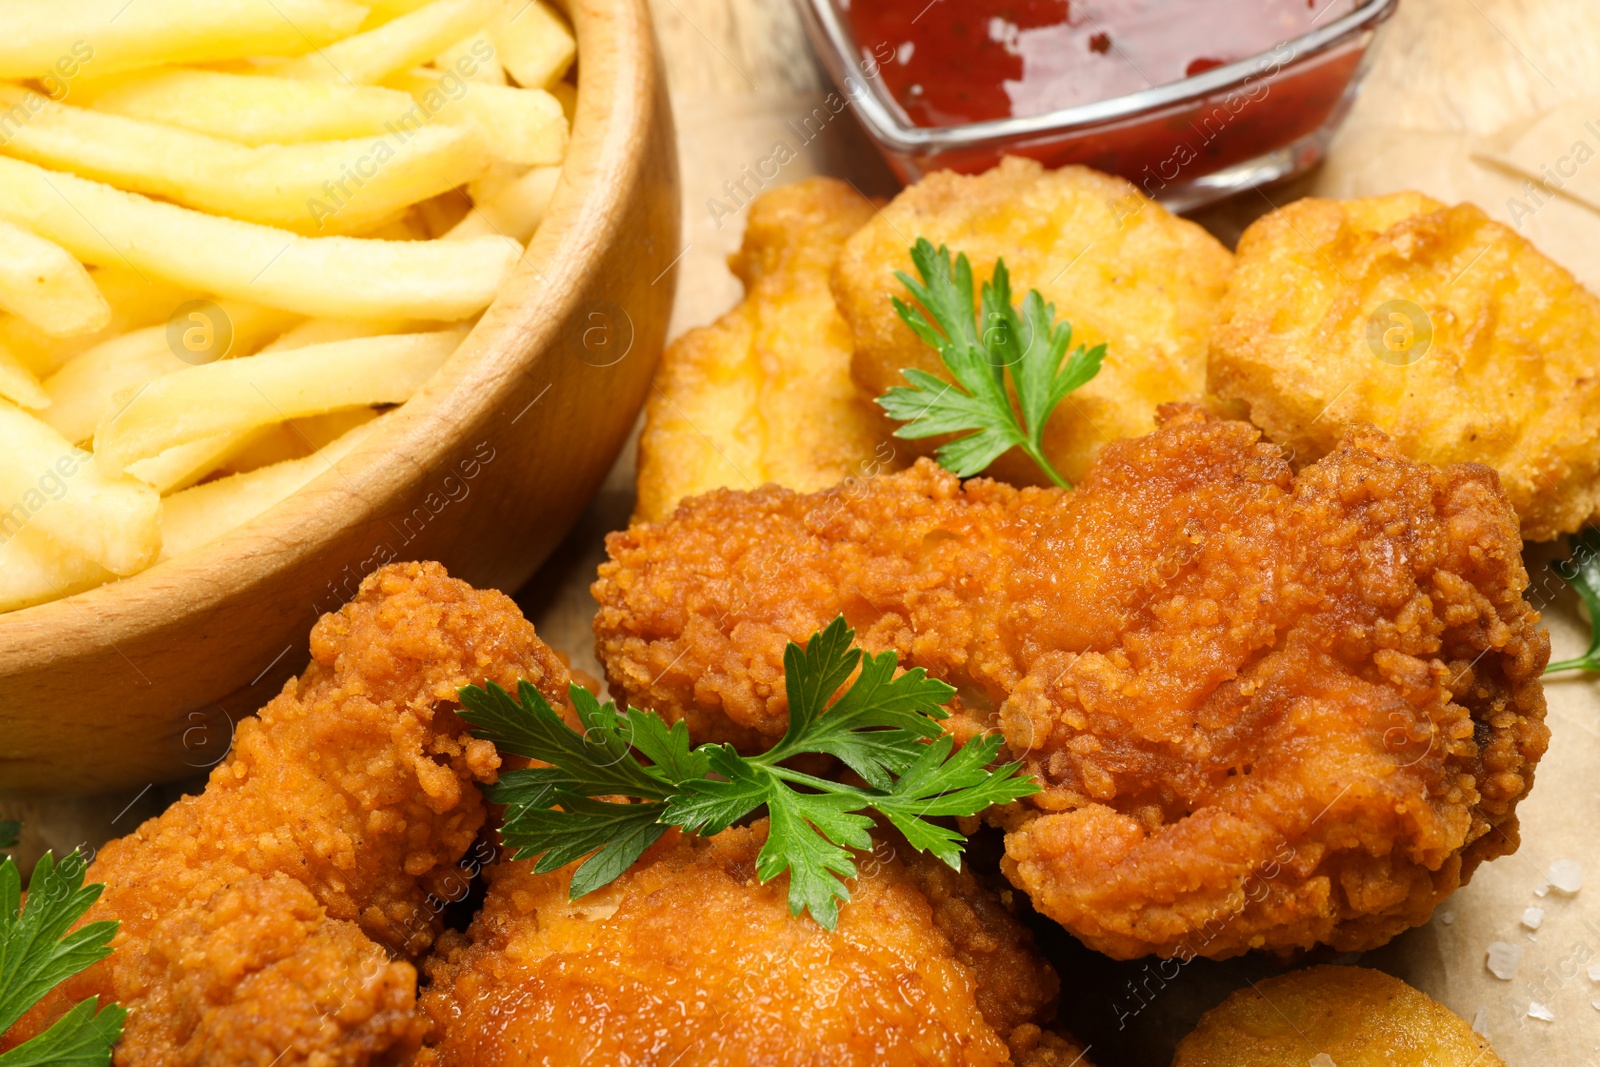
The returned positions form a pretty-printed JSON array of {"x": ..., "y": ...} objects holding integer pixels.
[{"x": 1192, "y": 140}]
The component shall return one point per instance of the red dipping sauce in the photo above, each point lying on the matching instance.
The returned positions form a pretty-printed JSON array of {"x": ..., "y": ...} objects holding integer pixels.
[
  {"x": 961, "y": 61},
  {"x": 1189, "y": 99}
]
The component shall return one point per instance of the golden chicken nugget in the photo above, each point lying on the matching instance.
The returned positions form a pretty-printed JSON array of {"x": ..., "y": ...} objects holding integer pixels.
[
  {"x": 764, "y": 394},
  {"x": 1349, "y": 1016},
  {"x": 1117, "y": 266},
  {"x": 1447, "y": 330}
]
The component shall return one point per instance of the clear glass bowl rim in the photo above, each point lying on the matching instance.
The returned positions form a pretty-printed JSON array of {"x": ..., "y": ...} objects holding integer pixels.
[{"x": 879, "y": 114}]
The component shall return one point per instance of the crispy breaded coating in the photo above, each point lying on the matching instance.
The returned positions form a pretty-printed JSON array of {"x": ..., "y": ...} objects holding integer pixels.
[
  {"x": 764, "y": 394},
  {"x": 1445, "y": 329},
  {"x": 686, "y": 960},
  {"x": 1266, "y": 710},
  {"x": 1117, "y": 266},
  {"x": 1351, "y": 1016},
  {"x": 272, "y": 918}
]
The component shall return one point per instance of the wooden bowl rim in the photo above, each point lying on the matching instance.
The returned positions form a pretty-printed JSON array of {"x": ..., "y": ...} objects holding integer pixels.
[{"x": 618, "y": 81}]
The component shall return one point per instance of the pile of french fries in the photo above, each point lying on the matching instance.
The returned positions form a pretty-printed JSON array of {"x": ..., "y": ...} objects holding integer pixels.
[{"x": 232, "y": 233}]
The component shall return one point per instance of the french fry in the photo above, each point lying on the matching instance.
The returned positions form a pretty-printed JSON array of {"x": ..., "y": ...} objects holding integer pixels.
[
  {"x": 320, "y": 187},
  {"x": 236, "y": 451},
  {"x": 135, "y": 302},
  {"x": 182, "y": 465},
  {"x": 58, "y": 40},
  {"x": 388, "y": 10},
  {"x": 297, "y": 162},
  {"x": 18, "y": 383},
  {"x": 523, "y": 126},
  {"x": 34, "y": 569},
  {"x": 237, "y": 394},
  {"x": 138, "y": 299},
  {"x": 399, "y": 229},
  {"x": 514, "y": 210},
  {"x": 252, "y": 109},
  {"x": 498, "y": 177},
  {"x": 534, "y": 44},
  {"x": 397, "y": 45},
  {"x": 48, "y": 485},
  {"x": 41, "y": 283},
  {"x": 233, "y": 451},
  {"x": 200, "y": 515},
  {"x": 336, "y": 277},
  {"x": 473, "y": 59},
  {"x": 567, "y": 94},
  {"x": 322, "y": 331},
  {"x": 81, "y": 392},
  {"x": 442, "y": 214},
  {"x": 295, "y": 439}
]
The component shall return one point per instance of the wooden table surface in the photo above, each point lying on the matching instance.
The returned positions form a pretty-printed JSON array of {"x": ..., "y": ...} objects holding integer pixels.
[{"x": 740, "y": 70}]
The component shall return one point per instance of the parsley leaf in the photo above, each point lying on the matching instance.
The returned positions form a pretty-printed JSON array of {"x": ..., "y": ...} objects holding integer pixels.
[
  {"x": 596, "y": 761},
  {"x": 37, "y": 954},
  {"x": 979, "y": 402},
  {"x": 1582, "y": 572},
  {"x": 598, "y": 798}
]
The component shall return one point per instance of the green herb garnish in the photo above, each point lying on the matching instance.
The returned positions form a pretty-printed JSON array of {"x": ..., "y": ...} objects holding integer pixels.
[
  {"x": 882, "y": 727},
  {"x": 1030, "y": 345},
  {"x": 1582, "y": 572},
  {"x": 10, "y": 833},
  {"x": 37, "y": 954}
]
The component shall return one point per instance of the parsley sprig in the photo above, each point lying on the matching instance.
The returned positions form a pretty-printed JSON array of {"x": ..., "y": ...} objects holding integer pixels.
[
  {"x": 1582, "y": 572},
  {"x": 1028, "y": 344},
  {"x": 37, "y": 954},
  {"x": 600, "y": 798}
]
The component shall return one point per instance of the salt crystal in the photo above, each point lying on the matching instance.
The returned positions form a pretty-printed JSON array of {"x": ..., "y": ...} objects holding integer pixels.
[
  {"x": 1539, "y": 1011},
  {"x": 1566, "y": 875},
  {"x": 1532, "y": 918},
  {"x": 1503, "y": 959},
  {"x": 1322, "y": 1059},
  {"x": 1594, "y": 972},
  {"x": 1447, "y": 917},
  {"x": 1542, "y": 889},
  {"x": 1480, "y": 1022}
]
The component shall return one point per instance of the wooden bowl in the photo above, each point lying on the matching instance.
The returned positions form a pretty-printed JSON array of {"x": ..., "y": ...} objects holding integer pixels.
[{"x": 141, "y": 680}]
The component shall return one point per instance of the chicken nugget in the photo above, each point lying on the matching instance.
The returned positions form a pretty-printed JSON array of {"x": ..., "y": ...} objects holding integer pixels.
[
  {"x": 1117, "y": 266},
  {"x": 688, "y": 961},
  {"x": 1445, "y": 329},
  {"x": 764, "y": 394},
  {"x": 1349, "y": 1016}
]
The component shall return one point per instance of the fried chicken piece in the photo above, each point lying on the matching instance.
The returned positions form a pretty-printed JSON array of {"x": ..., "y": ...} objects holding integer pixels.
[
  {"x": 273, "y": 918},
  {"x": 1117, "y": 266},
  {"x": 764, "y": 394},
  {"x": 688, "y": 960},
  {"x": 1445, "y": 329},
  {"x": 1351, "y": 1016},
  {"x": 1266, "y": 710}
]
